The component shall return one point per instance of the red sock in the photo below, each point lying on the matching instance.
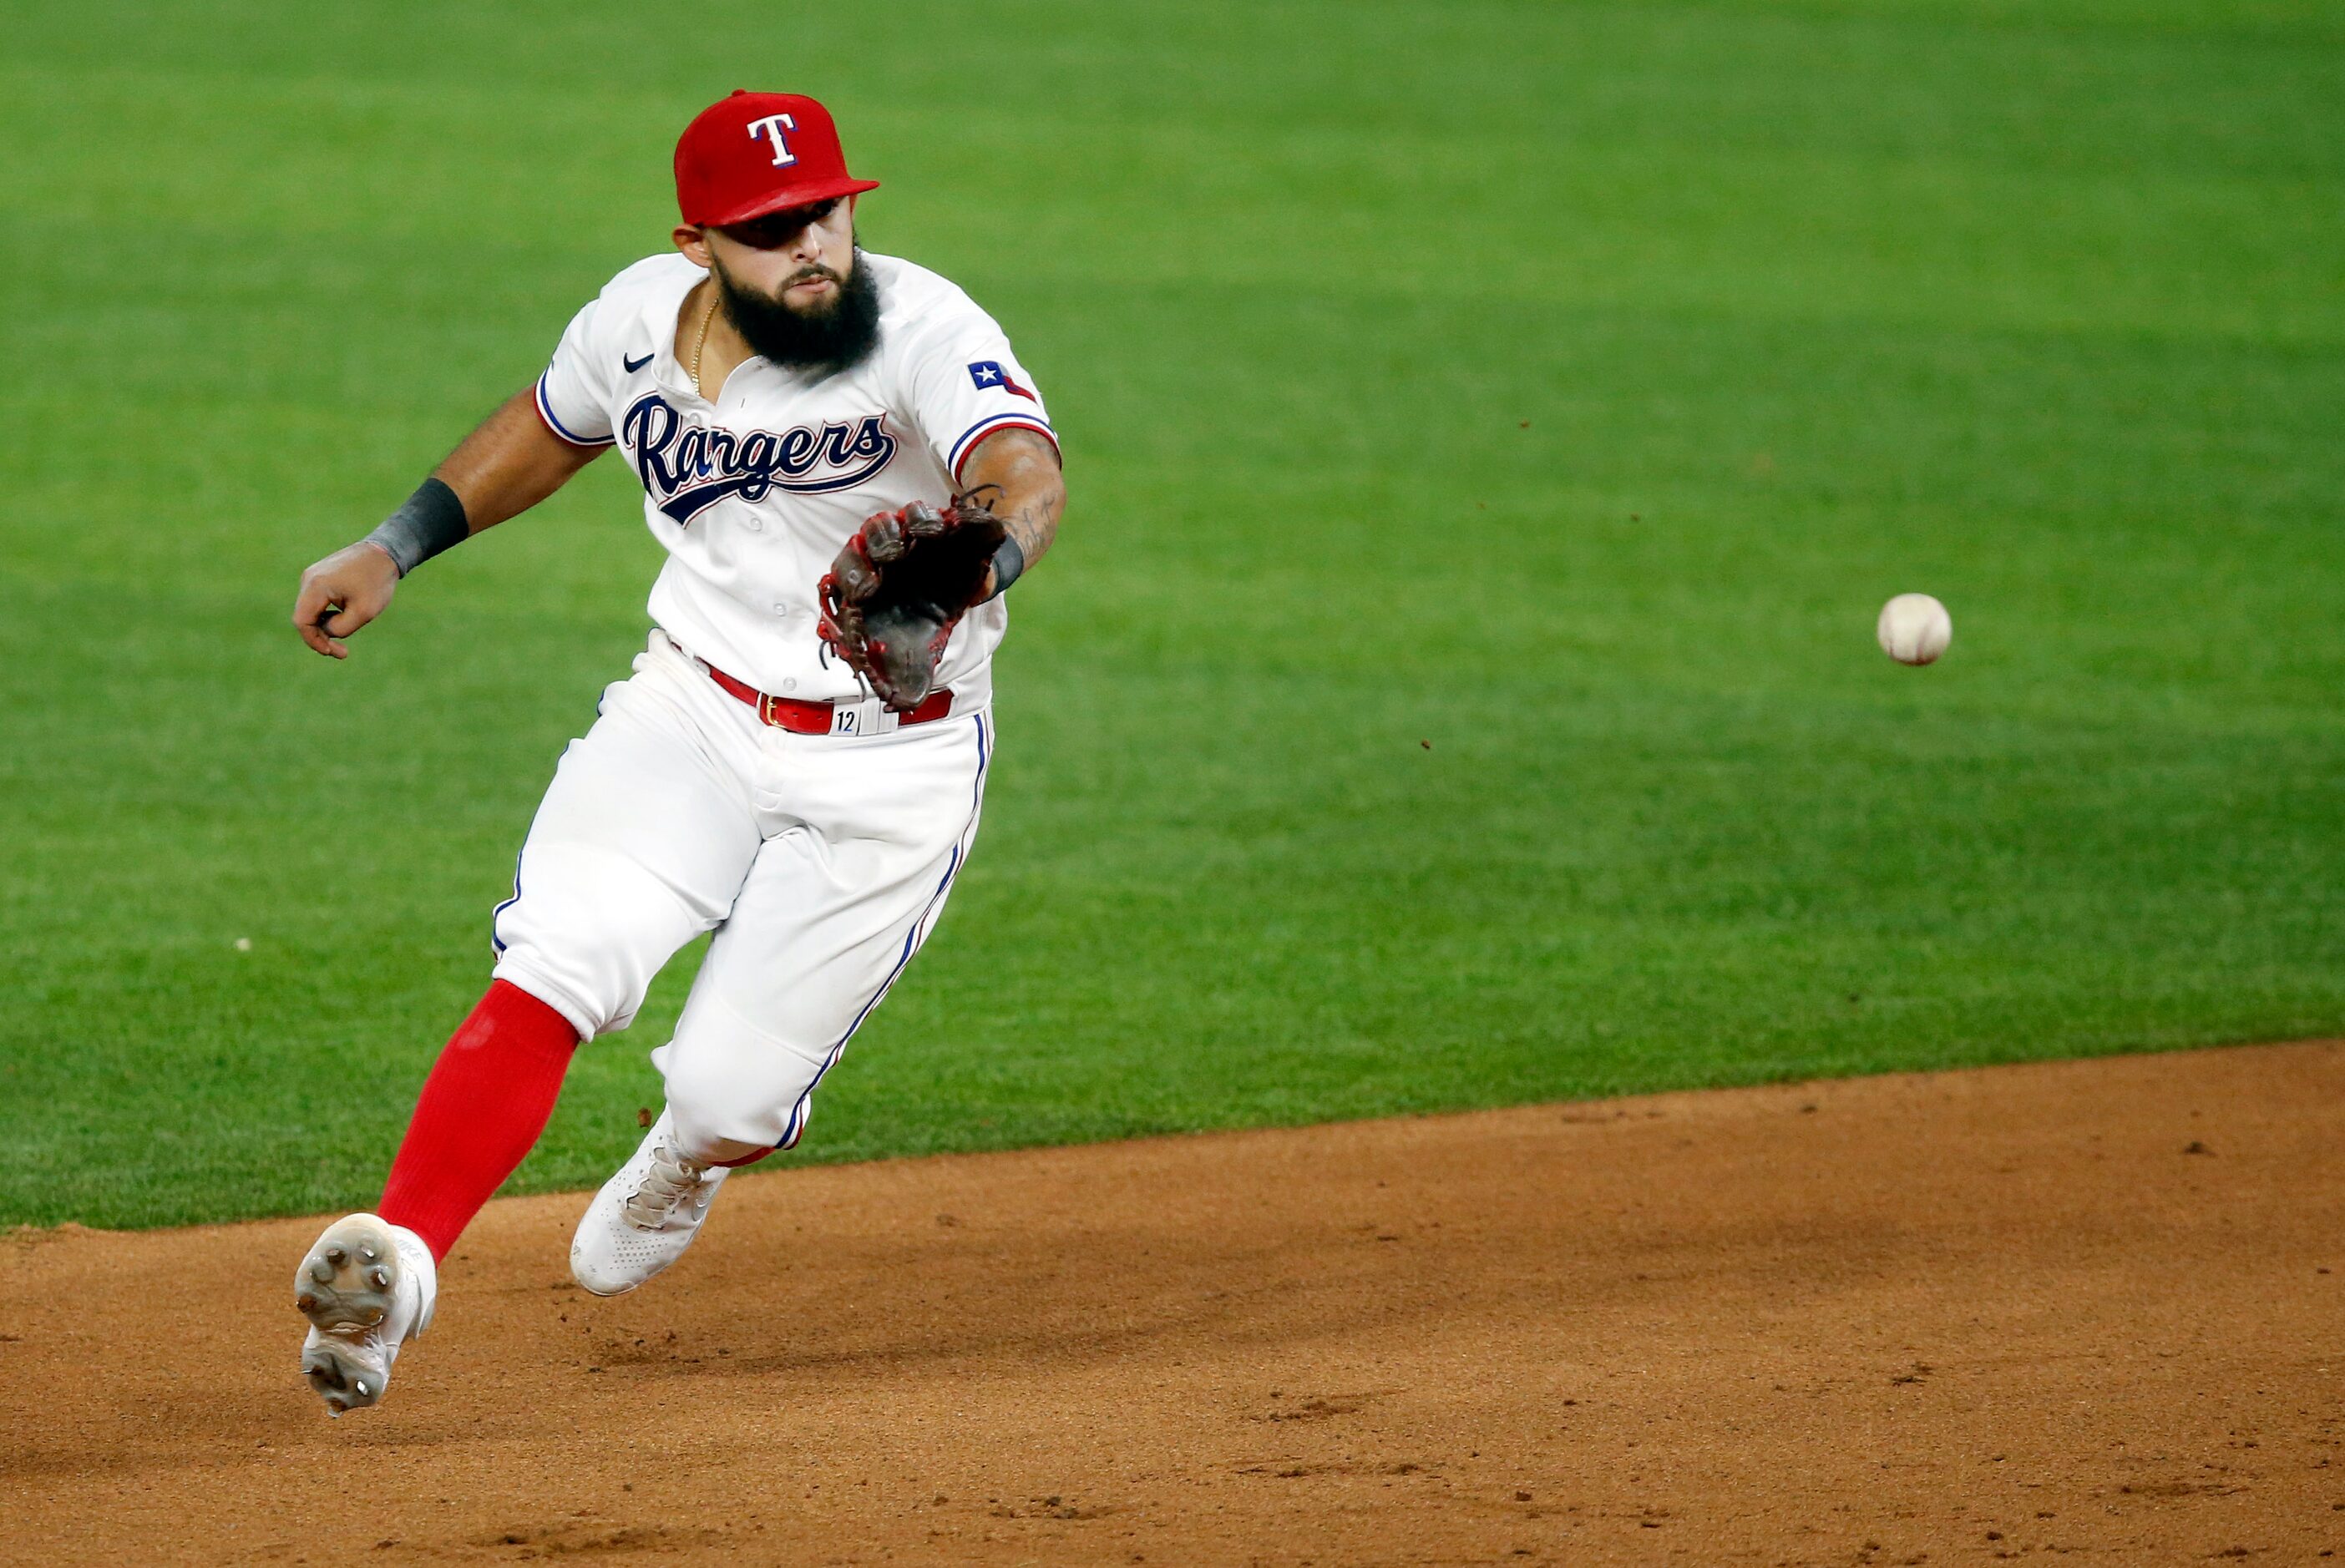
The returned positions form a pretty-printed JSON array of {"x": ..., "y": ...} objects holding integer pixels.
[{"x": 482, "y": 1108}]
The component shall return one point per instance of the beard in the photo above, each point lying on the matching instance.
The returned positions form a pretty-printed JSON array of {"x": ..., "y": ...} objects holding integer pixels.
[{"x": 835, "y": 335}]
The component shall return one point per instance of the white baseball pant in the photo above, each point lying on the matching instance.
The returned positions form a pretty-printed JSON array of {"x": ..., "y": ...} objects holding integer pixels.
[{"x": 821, "y": 862}]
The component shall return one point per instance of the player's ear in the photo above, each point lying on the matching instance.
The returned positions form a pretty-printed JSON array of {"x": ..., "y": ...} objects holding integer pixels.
[{"x": 693, "y": 240}]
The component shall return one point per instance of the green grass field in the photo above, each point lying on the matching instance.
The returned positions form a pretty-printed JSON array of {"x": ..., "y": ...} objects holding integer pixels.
[{"x": 1565, "y": 386}]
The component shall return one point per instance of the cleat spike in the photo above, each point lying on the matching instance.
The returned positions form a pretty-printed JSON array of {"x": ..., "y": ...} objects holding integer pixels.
[{"x": 366, "y": 1288}]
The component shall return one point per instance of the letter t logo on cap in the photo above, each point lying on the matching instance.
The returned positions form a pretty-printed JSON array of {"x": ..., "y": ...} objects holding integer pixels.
[{"x": 773, "y": 125}]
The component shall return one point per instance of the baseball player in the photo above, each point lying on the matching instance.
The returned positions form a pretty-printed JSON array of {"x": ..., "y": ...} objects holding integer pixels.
[{"x": 848, "y": 467}]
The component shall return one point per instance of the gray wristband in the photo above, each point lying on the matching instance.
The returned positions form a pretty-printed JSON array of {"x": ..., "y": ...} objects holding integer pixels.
[
  {"x": 427, "y": 522},
  {"x": 1009, "y": 562}
]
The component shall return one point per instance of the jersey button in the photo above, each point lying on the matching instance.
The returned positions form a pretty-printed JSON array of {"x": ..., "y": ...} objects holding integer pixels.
[
  {"x": 789, "y": 683},
  {"x": 753, "y": 523}
]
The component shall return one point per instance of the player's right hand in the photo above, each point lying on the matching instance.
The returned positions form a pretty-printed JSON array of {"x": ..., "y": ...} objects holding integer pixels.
[{"x": 342, "y": 593}]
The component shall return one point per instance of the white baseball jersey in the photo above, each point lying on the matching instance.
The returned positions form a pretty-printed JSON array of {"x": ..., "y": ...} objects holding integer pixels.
[{"x": 753, "y": 495}]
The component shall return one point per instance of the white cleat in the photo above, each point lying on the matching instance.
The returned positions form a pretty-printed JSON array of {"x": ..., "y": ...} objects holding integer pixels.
[
  {"x": 645, "y": 1216},
  {"x": 367, "y": 1287}
]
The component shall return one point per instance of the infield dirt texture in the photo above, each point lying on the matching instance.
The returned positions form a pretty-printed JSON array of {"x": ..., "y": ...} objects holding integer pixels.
[
  {"x": 2058, "y": 1312},
  {"x": 1491, "y": 430}
]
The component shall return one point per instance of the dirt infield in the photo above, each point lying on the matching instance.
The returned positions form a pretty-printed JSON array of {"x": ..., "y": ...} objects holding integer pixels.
[{"x": 2070, "y": 1308}]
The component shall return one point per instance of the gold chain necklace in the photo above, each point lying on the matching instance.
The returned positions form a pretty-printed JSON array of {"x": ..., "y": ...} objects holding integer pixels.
[{"x": 701, "y": 342}]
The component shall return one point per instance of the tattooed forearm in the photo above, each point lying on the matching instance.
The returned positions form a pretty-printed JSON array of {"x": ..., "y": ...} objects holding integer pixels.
[{"x": 1017, "y": 472}]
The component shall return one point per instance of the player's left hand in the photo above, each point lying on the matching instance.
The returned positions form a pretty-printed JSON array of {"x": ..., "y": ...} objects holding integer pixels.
[
  {"x": 342, "y": 593},
  {"x": 891, "y": 599}
]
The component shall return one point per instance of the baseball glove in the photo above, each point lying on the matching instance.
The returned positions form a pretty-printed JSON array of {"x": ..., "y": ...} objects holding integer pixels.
[{"x": 891, "y": 599}]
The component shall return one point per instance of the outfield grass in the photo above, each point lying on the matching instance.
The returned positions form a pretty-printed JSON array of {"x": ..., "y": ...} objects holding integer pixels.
[{"x": 1561, "y": 386}]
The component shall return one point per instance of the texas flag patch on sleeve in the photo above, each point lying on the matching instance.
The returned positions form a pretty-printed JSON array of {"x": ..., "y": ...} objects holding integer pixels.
[{"x": 989, "y": 374}]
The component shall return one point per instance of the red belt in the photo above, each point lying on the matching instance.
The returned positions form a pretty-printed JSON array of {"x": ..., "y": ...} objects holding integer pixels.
[{"x": 813, "y": 718}]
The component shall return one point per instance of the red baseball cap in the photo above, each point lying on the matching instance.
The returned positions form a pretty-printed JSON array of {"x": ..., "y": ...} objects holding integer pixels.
[{"x": 751, "y": 154}]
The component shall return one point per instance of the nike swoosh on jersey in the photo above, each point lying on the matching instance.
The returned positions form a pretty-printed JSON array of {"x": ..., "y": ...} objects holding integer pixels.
[{"x": 632, "y": 366}]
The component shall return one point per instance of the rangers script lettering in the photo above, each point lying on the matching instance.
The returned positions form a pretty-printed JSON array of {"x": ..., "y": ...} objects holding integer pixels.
[{"x": 687, "y": 468}]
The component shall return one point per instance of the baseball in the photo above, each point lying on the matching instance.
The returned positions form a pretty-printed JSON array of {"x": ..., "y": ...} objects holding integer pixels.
[{"x": 1914, "y": 629}]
